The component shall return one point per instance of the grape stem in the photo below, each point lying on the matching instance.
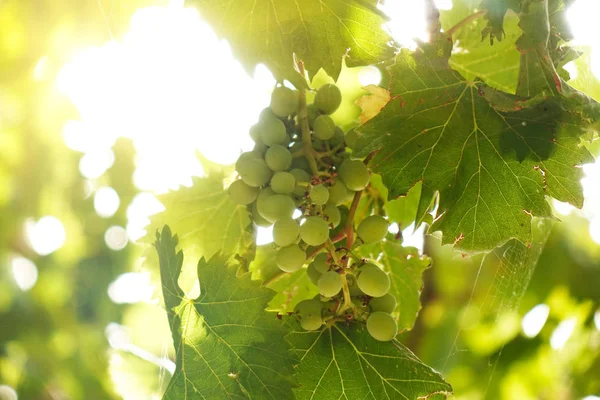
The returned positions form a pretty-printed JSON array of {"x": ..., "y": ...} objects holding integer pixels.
[
  {"x": 345, "y": 288},
  {"x": 303, "y": 121},
  {"x": 465, "y": 21}
]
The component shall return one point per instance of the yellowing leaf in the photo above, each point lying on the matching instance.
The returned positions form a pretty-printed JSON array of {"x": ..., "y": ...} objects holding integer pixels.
[{"x": 372, "y": 103}]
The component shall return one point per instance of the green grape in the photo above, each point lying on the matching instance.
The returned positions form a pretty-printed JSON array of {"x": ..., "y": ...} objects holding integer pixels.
[
  {"x": 314, "y": 231},
  {"x": 258, "y": 219},
  {"x": 319, "y": 194},
  {"x": 278, "y": 158},
  {"x": 312, "y": 114},
  {"x": 311, "y": 322},
  {"x": 382, "y": 326},
  {"x": 373, "y": 280},
  {"x": 283, "y": 183},
  {"x": 310, "y": 306},
  {"x": 353, "y": 286},
  {"x": 354, "y": 174},
  {"x": 350, "y": 138},
  {"x": 285, "y": 232},
  {"x": 241, "y": 193},
  {"x": 255, "y": 132},
  {"x": 318, "y": 144},
  {"x": 330, "y": 284},
  {"x": 324, "y": 127},
  {"x": 339, "y": 193},
  {"x": 254, "y": 172},
  {"x": 272, "y": 130},
  {"x": 302, "y": 177},
  {"x": 284, "y": 101},
  {"x": 338, "y": 137},
  {"x": 247, "y": 155},
  {"x": 386, "y": 303},
  {"x": 277, "y": 206},
  {"x": 290, "y": 258},
  {"x": 313, "y": 274},
  {"x": 372, "y": 229},
  {"x": 334, "y": 217},
  {"x": 321, "y": 262},
  {"x": 328, "y": 98},
  {"x": 301, "y": 163}
]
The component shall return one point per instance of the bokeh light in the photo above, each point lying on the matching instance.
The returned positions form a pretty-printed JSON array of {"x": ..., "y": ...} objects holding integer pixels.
[
  {"x": 46, "y": 235},
  {"x": 106, "y": 202},
  {"x": 7, "y": 393},
  {"x": 562, "y": 333},
  {"x": 116, "y": 238},
  {"x": 535, "y": 319},
  {"x": 24, "y": 272},
  {"x": 139, "y": 211},
  {"x": 131, "y": 287}
]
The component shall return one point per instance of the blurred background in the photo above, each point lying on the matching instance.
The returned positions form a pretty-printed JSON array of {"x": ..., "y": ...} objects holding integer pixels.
[{"x": 105, "y": 104}]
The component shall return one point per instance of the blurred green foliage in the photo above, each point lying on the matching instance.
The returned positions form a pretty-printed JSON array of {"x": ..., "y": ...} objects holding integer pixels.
[{"x": 52, "y": 338}]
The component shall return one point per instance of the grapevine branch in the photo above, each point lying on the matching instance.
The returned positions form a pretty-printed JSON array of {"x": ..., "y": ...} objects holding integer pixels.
[{"x": 465, "y": 21}]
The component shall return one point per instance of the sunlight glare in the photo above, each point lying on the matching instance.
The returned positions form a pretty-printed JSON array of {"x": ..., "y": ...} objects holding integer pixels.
[
  {"x": 562, "y": 333},
  {"x": 597, "y": 320},
  {"x": 24, "y": 272},
  {"x": 46, "y": 235},
  {"x": 534, "y": 320},
  {"x": 95, "y": 163},
  {"x": 172, "y": 87},
  {"x": 582, "y": 16},
  {"x": 264, "y": 235},
  {"x": 414, "y": 238},
  {"x": 7, "y": 393},
  {"x": 116, "y": 238},
  {"x": 130, "y": 288},
  {"x": 139, "y": 211}
]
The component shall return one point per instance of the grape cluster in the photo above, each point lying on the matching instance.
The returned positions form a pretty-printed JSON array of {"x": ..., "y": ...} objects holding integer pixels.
[{"x": 300, "y": 179}]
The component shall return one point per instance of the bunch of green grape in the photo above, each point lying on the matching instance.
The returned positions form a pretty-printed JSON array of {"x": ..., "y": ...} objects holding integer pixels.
[{"x": 301, "y": 179}]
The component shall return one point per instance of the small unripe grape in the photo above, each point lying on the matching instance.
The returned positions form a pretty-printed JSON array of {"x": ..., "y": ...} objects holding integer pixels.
[
  {"x": 338, "y": 193},
  {"x": 313, "y": 274},
  {"x": 306, "y": 307},
  {"x": 272, "y": 130},
  {"x": 283, "y": 183},
  {"x": 255, "y": 132},
  {"x": 332, "y": 214},
  {"x": 311, "y": 322},
  {"x": 338, "y": 137},
  {"x": 318, "y": 144},
  {"x": 382, "y": 326},
  {"x": 259, "y": 219},
  {"x": 255, "y": 172},
  {"x": 324, "y": 127},
  {"x": 312, "y": 114},
  {"x": 241, "y": 193},
  {"x": 373, "y": 280},
  {"x": 301, "y": 163},
  {"x": 314, "y": 231},
  {"x": 321, "y": 262},
  {"x": 290, "y": 258},
  {"x": 386, "y": 303},
  {"x": 301, "y": 176},
  {"x": 330, "y": 284},
  {"x": 285, "y": 232},
  {"x": 278, "y": 158},
  {"x": 276, "y": 207},
  {"x": 350, "y": 138},
  {"x": 247, "y": 155},
  {"x": 354, "y": 174},
  {"x": 372, "y": 229},
  {"x": 319, "y": 194},
  {"x": 284, "y": 101},
  {"x": 328, "y": 98}
]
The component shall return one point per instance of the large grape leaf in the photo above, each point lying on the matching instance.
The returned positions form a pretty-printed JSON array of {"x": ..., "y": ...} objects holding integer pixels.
[
  {"x": 345, "y": 362},
  {"x": 495, "y": 10},
  {"x": 320, "y": 33},
  {"x": 208, "y": 221},
  {"x": 492, "y": 157},
  {"x": 405, "y": 267},
  {"x": 227, "y": 346}
]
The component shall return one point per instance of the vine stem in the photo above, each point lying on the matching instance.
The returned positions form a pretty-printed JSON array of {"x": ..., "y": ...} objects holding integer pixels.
[
  {"x": 304, "y": 128},
  {"x": 465, "y": 21}
]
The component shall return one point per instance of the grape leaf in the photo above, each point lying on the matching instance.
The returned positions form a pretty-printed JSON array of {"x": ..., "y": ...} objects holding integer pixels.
[
  {"x": 405, "y": 266},
  {"x": 491, "y": 156},
  {"x": 497, "y": 65},
  {"x": 209, "y": 221},
  {"x": 495, "y": 12},
  {"x": 344, "y": 362},
  {"x": 227, "y": 346},
  {"x": 319, "y": 33}
]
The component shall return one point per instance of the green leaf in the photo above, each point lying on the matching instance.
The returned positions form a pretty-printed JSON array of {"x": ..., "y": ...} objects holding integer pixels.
[
  {"x": 495, "y": 12},
  {"x": 344, "y": 362},
  {"x": 319, "y": 33},
  {"x": 291, "y": 288},
  {"x": 405, "y": 266},
  {"x": 227, "y": 346},
  {"x": 497, "y": 64},
  {"x": 403, "y": 210},
  {"x": 208, "y": 221},
  {"x": 491, "y": 156}
]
